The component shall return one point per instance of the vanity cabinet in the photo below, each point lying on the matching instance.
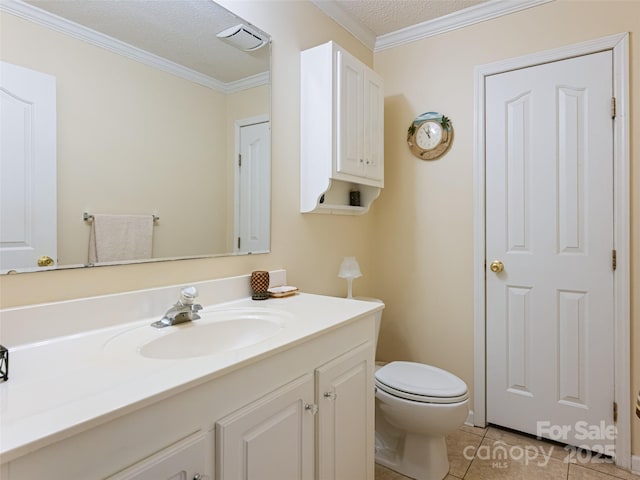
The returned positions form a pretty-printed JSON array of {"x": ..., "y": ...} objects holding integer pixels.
[
  {"x": 301, "y": 412},
  {"x": 345, "y": 399},
  {"x": 273, "y": 438},
  {"x": 270, "y": 439},
  {"x": 185, "y": 460},
  {"x": 342, "y": 131}
]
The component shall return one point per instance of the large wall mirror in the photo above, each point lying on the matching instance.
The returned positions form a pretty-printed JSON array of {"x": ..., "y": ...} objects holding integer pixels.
[{"x": 160, "y": 108}]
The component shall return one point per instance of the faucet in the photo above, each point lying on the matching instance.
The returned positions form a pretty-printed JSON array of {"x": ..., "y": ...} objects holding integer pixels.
[{"x": 184, "y": 310}]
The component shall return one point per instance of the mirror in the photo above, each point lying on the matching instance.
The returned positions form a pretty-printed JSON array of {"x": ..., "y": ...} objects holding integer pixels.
[{"x": 152, "y": 110}]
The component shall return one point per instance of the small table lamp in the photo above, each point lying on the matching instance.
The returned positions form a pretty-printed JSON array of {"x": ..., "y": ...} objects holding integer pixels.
[{"x": 349, "y": 269}]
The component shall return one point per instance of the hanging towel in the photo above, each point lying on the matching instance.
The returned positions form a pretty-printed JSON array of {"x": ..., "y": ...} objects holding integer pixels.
[{"x": 120, "y": 237}]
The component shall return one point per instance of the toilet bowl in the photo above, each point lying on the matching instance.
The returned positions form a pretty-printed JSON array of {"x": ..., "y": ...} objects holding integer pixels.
[{"x": 416, "y": 406}]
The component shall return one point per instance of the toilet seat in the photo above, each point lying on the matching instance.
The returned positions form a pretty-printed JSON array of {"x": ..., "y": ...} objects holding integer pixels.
[{"x": 420, "y": 383}]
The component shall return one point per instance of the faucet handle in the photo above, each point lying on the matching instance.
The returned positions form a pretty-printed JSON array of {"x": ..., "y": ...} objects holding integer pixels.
[{"x": 188, "y": 295}]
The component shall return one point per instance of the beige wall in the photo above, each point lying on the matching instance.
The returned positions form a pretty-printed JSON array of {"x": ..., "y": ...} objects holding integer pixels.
[
  {"x": 415, "y": 248},
  {"x": 126, "y": 133},
  {"x": 423, "y": 221}
]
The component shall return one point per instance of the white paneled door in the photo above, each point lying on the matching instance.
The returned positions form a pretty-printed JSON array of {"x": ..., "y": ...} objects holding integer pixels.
[
  {"x": 549, "y": 241},
  {"x": 254, "y": 188},
  {"x": 27, "y": 169}
]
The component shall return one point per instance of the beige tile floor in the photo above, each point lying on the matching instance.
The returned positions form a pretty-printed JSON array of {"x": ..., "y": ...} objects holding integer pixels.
[{"x": 492, "y": 453}]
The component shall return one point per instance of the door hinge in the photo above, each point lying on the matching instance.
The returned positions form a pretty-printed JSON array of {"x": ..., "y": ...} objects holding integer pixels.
[
  {"x": 615, "y": 412},
  {"x": 239, "y": 159},
  {"x": 238, "y": 243},
  {"x": 613, "y": 107},
  {"x": 614, "y": 259}
]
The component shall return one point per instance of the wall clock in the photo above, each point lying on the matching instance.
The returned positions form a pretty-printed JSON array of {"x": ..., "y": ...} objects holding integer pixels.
[{"x": 430, "y": 136}]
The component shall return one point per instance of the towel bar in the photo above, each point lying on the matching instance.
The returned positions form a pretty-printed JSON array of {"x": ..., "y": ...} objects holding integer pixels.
[{"x": 87, "y": 217}]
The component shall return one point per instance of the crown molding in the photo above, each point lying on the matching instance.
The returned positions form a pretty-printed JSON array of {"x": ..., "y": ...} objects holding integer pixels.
[
  {"x": 249, "y": 82},
  {"x": 62, "y": 25},
  {"x": 353, "y": 26},
  {"x": 462, "y": 18}
]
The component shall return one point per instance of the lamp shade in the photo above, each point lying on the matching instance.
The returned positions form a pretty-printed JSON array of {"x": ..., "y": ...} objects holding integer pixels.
[{"x": 349, "y": 268}]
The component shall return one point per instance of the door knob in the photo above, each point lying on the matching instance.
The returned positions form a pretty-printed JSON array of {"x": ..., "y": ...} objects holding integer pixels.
[
  {"x": 45, "y": 261},
  {"x": 496, "y": 266}
]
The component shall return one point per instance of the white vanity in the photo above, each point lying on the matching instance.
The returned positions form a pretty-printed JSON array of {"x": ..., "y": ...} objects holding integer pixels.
[{"x": 85, "y": 400}]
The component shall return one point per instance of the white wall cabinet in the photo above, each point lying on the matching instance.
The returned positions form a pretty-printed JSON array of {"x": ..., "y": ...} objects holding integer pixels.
[{"x": 342, "y": 131}]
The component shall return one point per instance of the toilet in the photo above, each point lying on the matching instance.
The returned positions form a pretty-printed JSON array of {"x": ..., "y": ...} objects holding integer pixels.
[{"x": 416, "y": 406}]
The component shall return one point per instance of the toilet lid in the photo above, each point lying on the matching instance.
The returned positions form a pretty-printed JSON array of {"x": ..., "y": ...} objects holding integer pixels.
[{"x": 420, "y": 382}]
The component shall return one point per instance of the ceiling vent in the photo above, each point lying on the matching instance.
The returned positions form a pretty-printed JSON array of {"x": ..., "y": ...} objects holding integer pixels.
[{"x": 243, "y": 37}]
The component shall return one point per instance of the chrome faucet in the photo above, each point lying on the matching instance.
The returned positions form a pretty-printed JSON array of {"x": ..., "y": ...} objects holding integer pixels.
[{"x": 184, "y": 310}]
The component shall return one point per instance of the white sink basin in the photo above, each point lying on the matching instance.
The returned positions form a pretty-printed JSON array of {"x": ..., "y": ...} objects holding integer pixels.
[{"x": 215, "y": 332}]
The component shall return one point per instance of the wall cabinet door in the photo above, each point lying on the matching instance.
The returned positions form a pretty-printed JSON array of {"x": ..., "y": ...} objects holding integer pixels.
[
  {"x": 360, "y": 122},
  {"x": 187, "y": 459},
  {"x": 271, "y": 438},
  {"x": 344, "y": 389},
  {"x": 373, "y": 143}
]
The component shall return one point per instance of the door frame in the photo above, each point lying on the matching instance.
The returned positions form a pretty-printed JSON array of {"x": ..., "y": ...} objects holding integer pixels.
[{"x": 619, "y": 45}]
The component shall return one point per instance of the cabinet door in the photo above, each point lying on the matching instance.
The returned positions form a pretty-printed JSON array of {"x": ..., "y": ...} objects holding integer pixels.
[
  {"x": 271, "y": 438},
  {"x": 349, "y": 110},
  {"x": 184, "y": 460},
  {"x": 373, "y": 126},
  {"x": 344, "y": 388}
]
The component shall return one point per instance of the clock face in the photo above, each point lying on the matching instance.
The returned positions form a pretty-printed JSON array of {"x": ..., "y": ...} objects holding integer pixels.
[{"x": 429, "y": 135}]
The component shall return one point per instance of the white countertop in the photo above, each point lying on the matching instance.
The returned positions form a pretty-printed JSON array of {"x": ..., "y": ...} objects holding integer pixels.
[{"x": 64, "y": 385}]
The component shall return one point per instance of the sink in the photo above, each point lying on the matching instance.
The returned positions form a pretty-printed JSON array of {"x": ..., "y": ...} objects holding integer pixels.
[{"x": 215, "y": 332}]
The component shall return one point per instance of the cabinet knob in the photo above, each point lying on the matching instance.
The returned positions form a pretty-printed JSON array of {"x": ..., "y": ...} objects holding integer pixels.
[
  {"x": 310, "y": 408},
  {"x": 330, "y": 395}
]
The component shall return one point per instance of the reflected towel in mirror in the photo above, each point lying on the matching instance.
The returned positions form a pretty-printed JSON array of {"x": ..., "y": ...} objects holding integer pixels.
[{"x": 120, "y": 237}]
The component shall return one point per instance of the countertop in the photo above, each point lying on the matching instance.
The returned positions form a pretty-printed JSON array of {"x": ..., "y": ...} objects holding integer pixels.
[{"x": 65, "y": 385}]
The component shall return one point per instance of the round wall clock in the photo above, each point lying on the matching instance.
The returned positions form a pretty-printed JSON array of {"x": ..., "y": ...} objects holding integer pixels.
[{"x": 430, "y": 136}]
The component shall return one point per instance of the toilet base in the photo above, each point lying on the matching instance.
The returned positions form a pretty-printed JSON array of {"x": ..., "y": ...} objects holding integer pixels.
[{"x": 417, "y": 456}]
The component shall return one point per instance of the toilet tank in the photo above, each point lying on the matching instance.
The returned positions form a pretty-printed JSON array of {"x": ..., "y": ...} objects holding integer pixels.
[{"x": 378, "y": 314}]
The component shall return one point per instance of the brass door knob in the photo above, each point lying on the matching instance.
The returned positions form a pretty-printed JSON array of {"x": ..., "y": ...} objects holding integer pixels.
[
  {"x": 45, "y": 261},
  {"x": 496, "y": 266}
]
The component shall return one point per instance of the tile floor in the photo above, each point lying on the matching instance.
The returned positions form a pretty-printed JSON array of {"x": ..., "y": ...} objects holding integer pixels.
[{"x": 479, "y": 454}]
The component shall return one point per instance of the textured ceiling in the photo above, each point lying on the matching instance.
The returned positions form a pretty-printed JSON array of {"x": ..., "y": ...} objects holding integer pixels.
[
  {"x": 385, "y": 16},
  {"x": 183, "y": 31}
]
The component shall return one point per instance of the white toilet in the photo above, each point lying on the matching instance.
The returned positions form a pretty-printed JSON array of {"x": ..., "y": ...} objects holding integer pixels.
[{"x": 416, "y": 406}]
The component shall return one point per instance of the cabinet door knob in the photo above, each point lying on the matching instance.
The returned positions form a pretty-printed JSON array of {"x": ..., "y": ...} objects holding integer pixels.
[
  {"x": 310, "y": 408},
  {"x": 330, "y": 395}
]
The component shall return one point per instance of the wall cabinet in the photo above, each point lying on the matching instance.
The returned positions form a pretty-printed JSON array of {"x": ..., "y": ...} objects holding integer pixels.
[{"x": 342, "y": 131}]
